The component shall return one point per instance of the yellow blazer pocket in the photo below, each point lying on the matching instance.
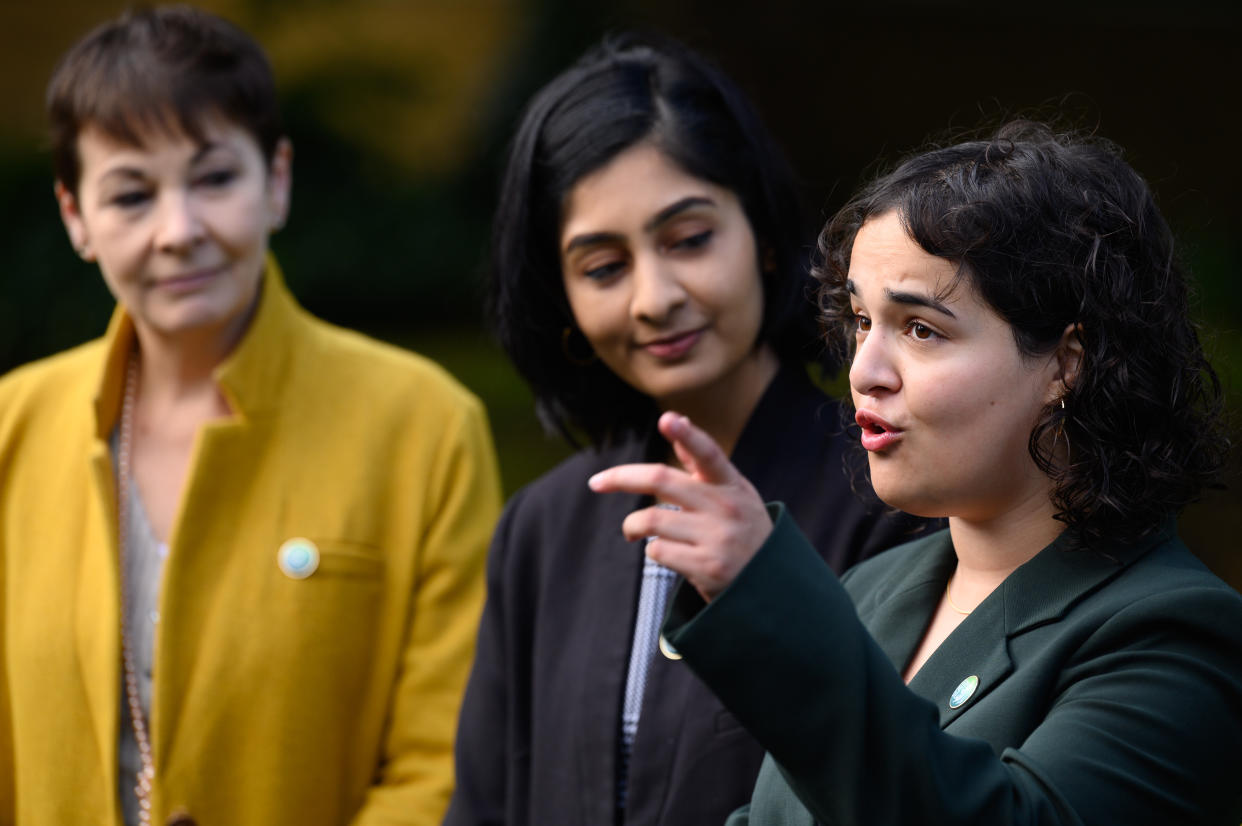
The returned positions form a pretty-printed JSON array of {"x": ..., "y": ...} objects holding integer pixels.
[
  {"x": 325, "y": 600},
  {"x": 349, "y": 560}
]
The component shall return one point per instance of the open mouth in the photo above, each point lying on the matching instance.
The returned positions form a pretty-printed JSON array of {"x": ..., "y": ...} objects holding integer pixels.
[{"x": 877, "y": 434}]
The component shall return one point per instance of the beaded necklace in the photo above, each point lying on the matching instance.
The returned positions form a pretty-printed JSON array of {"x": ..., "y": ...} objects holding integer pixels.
[{"x": 146, "y": 777}]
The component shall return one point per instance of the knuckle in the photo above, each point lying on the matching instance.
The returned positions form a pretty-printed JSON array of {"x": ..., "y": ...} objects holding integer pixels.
[{"x": 715, "y": 569}]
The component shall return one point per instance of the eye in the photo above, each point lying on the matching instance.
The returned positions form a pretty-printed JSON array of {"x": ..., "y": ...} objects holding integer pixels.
[
  {"x": 692, "y": 242},
  {"x": 130, "y": 199},
  {"x": 861, "y": 323},
  {"x": 921, "y": 331},
  {"x": 603, "y": 270},
  {"x": 218, "y": 178}
]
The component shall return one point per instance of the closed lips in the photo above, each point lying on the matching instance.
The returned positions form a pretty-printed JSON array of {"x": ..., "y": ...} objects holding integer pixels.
[
  {"x": 671, "y": 339},
  {"x": 673, "y": 348}
]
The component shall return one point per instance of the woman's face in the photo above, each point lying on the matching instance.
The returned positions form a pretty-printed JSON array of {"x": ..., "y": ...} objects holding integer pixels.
[
  {"x": 662, "y": 275},
  {"x": 179, "y": 228},
  {"x": 945, "y": 400}
]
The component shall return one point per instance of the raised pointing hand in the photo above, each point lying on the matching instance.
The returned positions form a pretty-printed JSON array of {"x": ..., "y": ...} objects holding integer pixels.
[{"x": 721, "y": 521}]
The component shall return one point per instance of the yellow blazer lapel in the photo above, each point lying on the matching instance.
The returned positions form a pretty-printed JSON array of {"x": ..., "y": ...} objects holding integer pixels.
[
  {"x": 202, "y": 547},
  {"x": 97, "y": 591}
]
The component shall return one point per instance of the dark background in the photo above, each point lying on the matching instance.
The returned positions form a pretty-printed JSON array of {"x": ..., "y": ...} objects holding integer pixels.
[{"x": 400, "y": 111}]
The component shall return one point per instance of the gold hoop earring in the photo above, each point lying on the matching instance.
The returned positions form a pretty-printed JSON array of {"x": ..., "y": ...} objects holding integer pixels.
[
  {"x": 1061, "y": 432},
  {"x": 575, "y": 360}
]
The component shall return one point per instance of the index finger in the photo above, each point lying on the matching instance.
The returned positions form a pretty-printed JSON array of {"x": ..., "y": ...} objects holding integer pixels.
[
  {"x": 664, "y": 483},
  {"x": 697, "y": 451}
]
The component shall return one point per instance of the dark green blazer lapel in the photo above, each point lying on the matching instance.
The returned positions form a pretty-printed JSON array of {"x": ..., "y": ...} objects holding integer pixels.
[
  {"x": 976, "y": 649},
  {"x": 896, "y": 611},
  {"x": 1043, "y": 590}
]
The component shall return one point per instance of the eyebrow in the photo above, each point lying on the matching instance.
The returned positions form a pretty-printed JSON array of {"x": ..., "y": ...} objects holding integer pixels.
[
  {"x": 134, "y": 172},
  {"x": 913, "y": 299},
  {"x": 677, "y": 208},
  {"x": 672, "y": 210}
]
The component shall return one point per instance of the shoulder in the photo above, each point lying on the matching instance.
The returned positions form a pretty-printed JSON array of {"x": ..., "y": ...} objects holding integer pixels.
[
  {"x": 558, "y": 513},
  {"x": 353, "y": 365},
  {"x": 868, "y": 575},
  {"x": 1169, "y": 580},
  {"x": 564, "y": 487},
  {"x": 43, "y": 387},
  {"x": 74, "y": 363}
]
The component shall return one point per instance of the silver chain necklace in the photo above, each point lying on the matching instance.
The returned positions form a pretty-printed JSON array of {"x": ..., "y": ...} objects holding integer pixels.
[{"x": 146, "y": 776}]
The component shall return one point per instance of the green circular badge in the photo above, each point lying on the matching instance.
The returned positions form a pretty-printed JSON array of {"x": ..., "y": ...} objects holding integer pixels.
[{"x": 963, "y": 691}]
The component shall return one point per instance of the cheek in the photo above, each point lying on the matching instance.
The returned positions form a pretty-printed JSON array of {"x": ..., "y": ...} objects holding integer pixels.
[
  {"x": 597, "y": 316},
  {"x": 989, "y": 405},
  {"x": 244, "y": 229},
  {"x": 943, "y": 394},
  {"x": 114, "y": 285},
  {"x": 119, "y": 252},
  {"x": 737, "y": 299}
]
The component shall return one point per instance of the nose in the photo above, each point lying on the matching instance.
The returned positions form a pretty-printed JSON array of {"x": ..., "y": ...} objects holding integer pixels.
[
  {"x": 657, "y": 292},
  {"x": 873, "y": 370},
  {"x": 180, "y": 226}
]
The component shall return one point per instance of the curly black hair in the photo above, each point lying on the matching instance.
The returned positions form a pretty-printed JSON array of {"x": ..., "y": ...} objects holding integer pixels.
[{"x": 1053, "y": 229}]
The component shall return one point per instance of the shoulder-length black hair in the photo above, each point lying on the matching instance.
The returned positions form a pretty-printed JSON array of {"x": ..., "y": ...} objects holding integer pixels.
[
  {"x": 626, "y": 90},
  {"x": 1053, "y": 230}
]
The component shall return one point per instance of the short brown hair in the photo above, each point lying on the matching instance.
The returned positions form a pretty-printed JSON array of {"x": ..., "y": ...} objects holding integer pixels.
[{"x": 162, "y": 68}]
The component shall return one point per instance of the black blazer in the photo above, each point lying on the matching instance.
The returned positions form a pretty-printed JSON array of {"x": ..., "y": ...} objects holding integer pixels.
[
  {"x": 539, "y": 731},
  {"x": 1091, "y": 687}
]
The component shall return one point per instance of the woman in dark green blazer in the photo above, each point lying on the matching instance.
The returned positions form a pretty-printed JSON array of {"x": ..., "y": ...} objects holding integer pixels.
[{"x": 1022, "y": 363}]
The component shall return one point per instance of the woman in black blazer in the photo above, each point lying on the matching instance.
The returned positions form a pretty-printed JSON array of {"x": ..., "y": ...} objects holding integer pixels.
[
  {"x": 1024, "y": 364},
  {"x": 648, "y": 252}
]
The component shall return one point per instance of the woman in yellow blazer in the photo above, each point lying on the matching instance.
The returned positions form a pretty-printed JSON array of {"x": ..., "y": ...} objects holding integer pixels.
[{"x": 279, "y": 627}]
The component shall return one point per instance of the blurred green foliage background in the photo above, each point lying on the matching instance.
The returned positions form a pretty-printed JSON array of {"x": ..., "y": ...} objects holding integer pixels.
[{"x": 400, "y": 112}]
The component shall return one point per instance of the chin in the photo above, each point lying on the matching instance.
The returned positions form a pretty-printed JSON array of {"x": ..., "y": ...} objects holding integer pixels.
[
  {"x": 191, "y": 322},
  {"x": 670, "y": 394},
  {"x": 899, "y": 494}
]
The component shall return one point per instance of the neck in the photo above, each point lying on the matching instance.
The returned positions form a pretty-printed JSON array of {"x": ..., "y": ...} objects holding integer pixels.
[
  {"x": 181, "y": 366},
  {"x": 723, "y": 408},
  {"x": 989, "y": 550}
]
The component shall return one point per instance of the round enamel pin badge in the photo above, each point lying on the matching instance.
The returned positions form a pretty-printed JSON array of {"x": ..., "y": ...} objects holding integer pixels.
[
  {"x": 963, "y": 691},
  {"x": 298, "y": 558}
]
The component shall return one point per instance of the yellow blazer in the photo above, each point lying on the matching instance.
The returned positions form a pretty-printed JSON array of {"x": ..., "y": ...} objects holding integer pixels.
[{"x": 325, "y": 700}]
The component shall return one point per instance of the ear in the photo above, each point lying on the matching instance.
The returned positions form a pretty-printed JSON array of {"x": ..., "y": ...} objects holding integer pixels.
[
  {"x": 279, "y": 184},
  {"x": 71, "y": 215},
  {"x": 1068, "y": 355}
]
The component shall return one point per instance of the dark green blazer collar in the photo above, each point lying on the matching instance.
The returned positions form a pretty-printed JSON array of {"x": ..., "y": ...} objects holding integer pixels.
[{"x": 1043, "y": 590}]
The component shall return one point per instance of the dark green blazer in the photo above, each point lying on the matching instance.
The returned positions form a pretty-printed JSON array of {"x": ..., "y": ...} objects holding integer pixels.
[{"x": 1094, "y": 686}]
